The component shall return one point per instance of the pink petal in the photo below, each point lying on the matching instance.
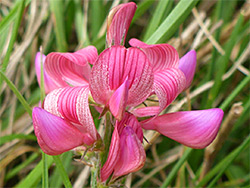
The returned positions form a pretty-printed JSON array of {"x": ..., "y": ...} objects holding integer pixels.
[
  {"x": 113, "y": 156},
  {"x": 118, "y": 22},
  {"x": 71, "y": 68},
  {"x": 146, "y": 111},
  {"x": 49, "y": 84},
  {"x": 132, "y": 154},
  {"x": 131, "y": 121},
  {"x": 196, "y": 129},
  {"x": 187, "y": 65},
  {"x": 111, "y": 69},
  {"x": 161, "y": 56},
  {"x": 54, "y": 134},
  {"x": 167, "y": 86},
  {"x": 71, "y": 103},
  {"x": 118, "y": 100}
]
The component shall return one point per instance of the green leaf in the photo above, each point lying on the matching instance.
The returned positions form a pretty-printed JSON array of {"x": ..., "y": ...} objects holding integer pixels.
[{"x": 172, "y": 22}]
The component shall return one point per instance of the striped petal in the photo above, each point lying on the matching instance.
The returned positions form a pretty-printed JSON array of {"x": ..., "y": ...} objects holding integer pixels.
[
  {"x": 56, "y": 135},
  {"x": 187, "y": 65},
  {"x": 196, "y": 129},
  {"x": 167, "y": 86},
  {"x": 119, "y": 19},
  {"x": 71, "y": 68},
  {"x": 161, "y": 56},
  {"x": 113, "y": 156},
  {"x": 71, "y": 104},
  {"x": 49, "y": 84},
  {"x": 116, "y": 64},
  {"x": 132, "y": 154}
]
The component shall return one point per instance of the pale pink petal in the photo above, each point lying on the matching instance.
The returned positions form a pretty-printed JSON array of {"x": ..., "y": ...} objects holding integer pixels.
[
  {"x": 71, "y": 103},
  {"x": 132, "y": 154},
  {"x": 49, "y": 84},
  {"x": 118, "y": 22},
  {"x": 161, "y": 56},
  {"x": 71, "y": 68},
  {"x": 146, "y": 111},
  {"x": 113, "y": 156},
  {"x": 55, "y": 135},
  {"x": 196, "y": 129},
  {"x": 187, "y": 65},
  {"x": 118, "y": 101},
  {"x": 167, "y": 86},
  {"x": 116, "y": 64}
]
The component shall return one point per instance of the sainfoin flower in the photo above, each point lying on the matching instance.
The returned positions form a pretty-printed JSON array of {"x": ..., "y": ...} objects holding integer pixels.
[{"x": 120, "y": 80}]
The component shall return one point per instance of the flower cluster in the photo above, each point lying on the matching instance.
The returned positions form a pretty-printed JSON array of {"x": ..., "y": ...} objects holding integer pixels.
[{"x": 119, "y": 80}]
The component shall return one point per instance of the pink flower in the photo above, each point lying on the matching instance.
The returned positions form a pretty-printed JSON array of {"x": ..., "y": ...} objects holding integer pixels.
[
  {"x": 65, "y": 121},
  {"x": 121, "y": 79}
]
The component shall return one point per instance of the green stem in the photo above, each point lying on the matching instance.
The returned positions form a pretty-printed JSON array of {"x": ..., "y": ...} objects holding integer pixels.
[{"x": 45, "y": 176}]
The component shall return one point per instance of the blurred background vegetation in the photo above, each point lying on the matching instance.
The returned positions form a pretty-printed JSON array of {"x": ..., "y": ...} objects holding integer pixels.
[{"x": 217, "y": 30}]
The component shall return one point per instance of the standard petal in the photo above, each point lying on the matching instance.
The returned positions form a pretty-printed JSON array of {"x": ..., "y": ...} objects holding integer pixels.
[
  {"x": 113, "y": 156},
  {"x": 71, "y": 68},
  {"x": 118, "y": 101},
  {"x": 118, "y": 22},
  {"x": 49, "y": 84},
  {"x": 54, "y": 134},
  {"x": 167, "y": 86},
  {"x": 132, "y": 154},
  {"x": 71, "y": 103},
  {"x": 116, "y": 64},
  {"x": 161, "y": 56},
  {"x": 196, "y": 129},
  {"x": 187, "y": 65}
]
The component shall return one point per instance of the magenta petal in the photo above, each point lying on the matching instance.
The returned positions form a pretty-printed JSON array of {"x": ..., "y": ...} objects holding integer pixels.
[
  {"x": 49, "y": 84},
  {"x": 113, "y": 156},
  {"x": 132, "y": 154},
  {"x": 118, "y": 100},
  {"x": 116, "y": 64},
  {"x": 161, "y": 56},
  {"x": 71, "y": 103},
  {"x": 54, "y": 134},
  {"x": 187, "y": 65},
  {"x": 196, "y": 129},
  {"x": 119, "y": 19},
  {"x": 71, "y": 68},
  {"x": 167, "y": 86}
]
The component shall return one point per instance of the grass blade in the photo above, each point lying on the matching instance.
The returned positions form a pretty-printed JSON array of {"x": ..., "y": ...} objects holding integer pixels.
[
  {"x": 35, "y": 175},
  {"x": 62, "y": 171},
  {"x": 13, "y": 37},
  {"x": 157, "y": 16},
  {"x": 172, "y": 22},
  {"x": 8, "y": 138},
  {"x": 222, "y": 166},
  {"x": 176, "y": 167},
  {"x": 17, "y": 93},
  {"x": 56, "y": 8}
]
